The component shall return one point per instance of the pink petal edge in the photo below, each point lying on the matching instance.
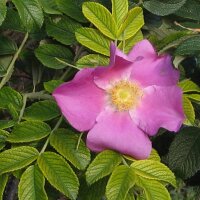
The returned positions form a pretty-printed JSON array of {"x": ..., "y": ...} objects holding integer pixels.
[
  {"x": 160, "y": 107},
  {"x": 116, "y": 130},
  {"x": 80, "y": 100}
]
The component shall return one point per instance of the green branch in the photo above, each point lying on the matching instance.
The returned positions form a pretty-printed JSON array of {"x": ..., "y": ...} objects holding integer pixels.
[
  {"x": 48, "y": 139},
  {"x": 10, "y": 70}
]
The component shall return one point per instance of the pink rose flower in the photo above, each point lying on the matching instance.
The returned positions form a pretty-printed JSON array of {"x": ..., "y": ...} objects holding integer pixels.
[{"x": 124, "y": 103}]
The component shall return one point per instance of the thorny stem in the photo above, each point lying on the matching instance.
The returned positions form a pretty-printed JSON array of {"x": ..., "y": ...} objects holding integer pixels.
[
  {"x": 38, "y": 95},
  {"x": 54, "y": 129},
  {"x": 9, "y": 72}
]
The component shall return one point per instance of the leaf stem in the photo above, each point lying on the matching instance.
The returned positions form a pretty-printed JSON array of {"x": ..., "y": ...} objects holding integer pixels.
[
  {"x": 79, "y": 140},
  {"x": 67, "y": 64},
  {"x": 124, "y": 162},
  {"x": 23, "y": 108},
  {"x": 10, "y": 70},
  {"x": 38, "y": 95},
  {"x": 54, "y": 129}
]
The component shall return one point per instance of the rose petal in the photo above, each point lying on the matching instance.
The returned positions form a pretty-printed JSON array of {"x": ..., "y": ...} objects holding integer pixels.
[
  {"x": 159, "y": 107},
  {"x": 119, "y": 68},
  {"x": 80, "y": 100},
  {"x": 116, "y": 131},
  {"x": 158, "y": 71},
  {"x": 142, "y": 49}
]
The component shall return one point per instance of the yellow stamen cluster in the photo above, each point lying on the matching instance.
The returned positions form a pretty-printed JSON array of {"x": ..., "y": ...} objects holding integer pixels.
[{"x": 125, "y": 95}]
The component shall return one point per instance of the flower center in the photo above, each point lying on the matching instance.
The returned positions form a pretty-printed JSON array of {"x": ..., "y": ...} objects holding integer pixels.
[{"x": 125, "y": 95}]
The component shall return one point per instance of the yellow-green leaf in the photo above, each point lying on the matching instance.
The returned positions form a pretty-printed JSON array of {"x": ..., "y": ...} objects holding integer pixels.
[
  {"x": 132, "y": 24},
  {"x": 94, "y": 40},
  {"x": 59, "y": 174},
  {"x": 193, "y": 97},
  {"x": 102, "y": 165},
  {"x": 119, "y": 11},
  {"x": 188, "y": 86},
  {"x": 31, "y": 185},
  {"x": 28, "y": 131},
  {"x": 154, "y": 156},
  {"x": 154, "y": 170},
  {"x": 101, "y": 18},
  {"x": 153, "y": 189},
  {"x": 17, "y": 158},
  {"x": 120, "y": 182},
  {"x": 127, "y": 45},
  {"x": 65, "y": 142},
  {"x": 189, "y": 111},
  {"x": 92, "y": 60}
]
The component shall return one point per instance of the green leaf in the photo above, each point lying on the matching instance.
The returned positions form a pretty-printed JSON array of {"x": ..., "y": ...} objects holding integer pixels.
[
  {"x": 10, "y": 96},
  {"x": 102, "y": 165},
  {"x": 42, "y": 110},
  {"x": 63, "y": 30},
  {"x": 31, "y": 185},
  {"x": 154, "y": 190},
  {"x": 72, "y": 9},
  {"x": 30, "y": 13},
  {"x": 58, "y": 172},
  {"x": 50, "y": 54},
  {"x": 50, "y": 86},
  {"x": 120, "y": 182},
  {"x": 189, "y": 111},
  {"x": 183, "y": 155},
  {"x": 133, "y": 23},
  {"x": 188, "y": 86},
  {"x": 127, "y": 45},
  {"x": 12, "y": 110},
  {"x": 4, "y": 64},
  {"x": 17, "y": 158},
  {"x": 3, "y": 10},
  {"x": 154, "y": 170},
  {"x": 173, "y": 39},
  {"x": 4, "y": 124},
  {"x": 3, "y": 136},
  {"x": 101, "y": 17},
  {"x": 93, "y": 192},
  {"x": 162, "y": 8},
  {"x": 119, "y": 11},
  {"x": 193, "y": 97},
  {"x": 3, "y": 182},
  {"x": 29, "y": 131},
  {"x": 13, "y": 21},
  {"x": 190, "y": 10},
  {"x": 7, "y": 46},
  {"x": 190, "y": 46},
  {"x": 65, "y": 142},
  {"x": 130, "y": 196},
  {"x": 94, "y": 40},
  {"x": 92, "y": 60},
  {"x": 50, "y": 7},
  {"x": 154, "y": 156}
]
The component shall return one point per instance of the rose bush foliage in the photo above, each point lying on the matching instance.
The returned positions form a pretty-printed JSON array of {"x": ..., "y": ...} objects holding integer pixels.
[{"x": 132, "y": 80}]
